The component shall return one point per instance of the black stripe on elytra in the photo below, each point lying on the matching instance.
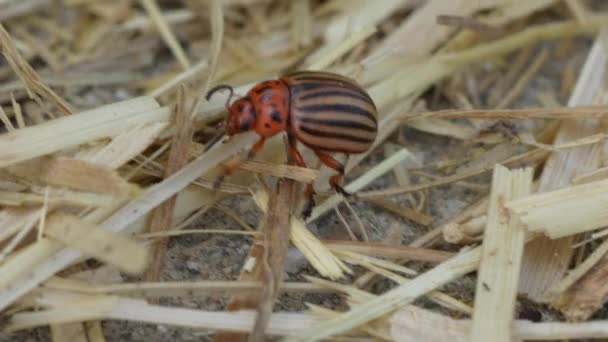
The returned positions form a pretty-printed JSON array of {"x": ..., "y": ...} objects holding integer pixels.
[
  {"x": 335, "y": 135},
  {"x": 263, "y": 89},
  {"x": 345, "y": 93},
  {"x": 309, "y": 85},
  {"x": 342, "y": 108},
  {"x": 338, "y": 123},
  {"x": 329, "y": 81}
]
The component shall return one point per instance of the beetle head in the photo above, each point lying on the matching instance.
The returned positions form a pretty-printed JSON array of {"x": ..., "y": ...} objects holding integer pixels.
[
  {"x": 241, "y": 114},
  {"x": 241, "y": 117}
]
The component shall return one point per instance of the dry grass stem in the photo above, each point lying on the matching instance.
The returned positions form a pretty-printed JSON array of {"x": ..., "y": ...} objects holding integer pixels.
[
  {"x": 502, "y": 251},
  {"x": 541, "y": 267},
  {"x": 161, "y": 218},
  {"x": 276, "y": 238},
  {"x": 34, "y": 85},
  {"x": 390, "y": 251},
  {"x": 98, "y": 172},
  {"x": 564, "y": 212},
  {"x": 165, "y": 31}
]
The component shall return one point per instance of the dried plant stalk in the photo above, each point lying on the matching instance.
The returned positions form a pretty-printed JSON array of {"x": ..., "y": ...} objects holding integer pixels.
[
  {"x": 416, "y": 324},
  {"x": 577, "y": 112},
  {"x": 300, "y": 174},
  {"x": 545, "y": 261},
  {"x": 390, "y": 251},
  {"x": 116, "y": 250},
  {"x": 395, "y": 298},
  {"x": 162, "y": 217},
  {"x": 360, "y": 182},
  {"x": 175, "y": 288},
  {"x": 165, "y": 31},
  {"x": 74, "y": 174},
  {"x": 70, "y": 308},
  {"x": 38, "y": 255},
  {"x": 70, "y": 131},
  {"x": 503, "y": 247},
  {"x": 30, "y": 78},
  {"x": 273, "y": 261},
  {"x": 404, "y": 212},
  {"x": 564, "y": 212}
]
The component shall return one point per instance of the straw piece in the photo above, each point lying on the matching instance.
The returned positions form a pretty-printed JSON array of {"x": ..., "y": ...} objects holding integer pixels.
[
  {"x": 592, "y": 176},
  {"x": 33, "y": 83},
  {"x": 345, "y": 46},
  {"x": 162, "y": 216},
  {"x": 564, "y": 212},
  {"x": 6, "y": 121},
  {"x": 395, "y": 298},
  {"x": 524, "y": 158},
  {"x": 416, "y": 324},
  {"x": 584, "y": 291},
  {"x": 354, "y": 16},
  {"x": 74, "y": 174},
  {"x": 276, "y": 239},
  {"x": 319, "y": 255},
  {"x": 360, "y": 183},
  {"x": 503, "y": 247},
  {"x": 70, "y": 131},
  {"x": 61, "y": 197},
  {"x": 416, "y": 77},
  {"x": 546, "y": 261},
  {"x": 69, "y": 308},
  {"x": 519, "y": 86},
  {"x": 390, "y": 251},
  {"x": 10, "y": 9},
  {"x": 407, "y": 213},
  {"x": 116, "y": 250},
  {"x": 578, "y": 10},
  {"x": 465, "y": 232},
  {"x": 174, "y": 288},
  {"x": 216, "y": 18},
  {"x": 165, "y": 31},
  {"x": 300, "y": 174},
  {"x": 423, "y": 34},
  {"x": 301, "y": 25},
  {"x": 444, "y": 128},
  {"x": 38, "y": 254},
  {"x": 577, "y": 112},
  {"x": 184, "y": 76}
]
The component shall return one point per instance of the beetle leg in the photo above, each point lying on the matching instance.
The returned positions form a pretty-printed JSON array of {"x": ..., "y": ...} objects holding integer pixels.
[
  {"x": 334, "y": 180},
  {"x": 231, "y": 166},
  {"x": 299, "y": 160}
]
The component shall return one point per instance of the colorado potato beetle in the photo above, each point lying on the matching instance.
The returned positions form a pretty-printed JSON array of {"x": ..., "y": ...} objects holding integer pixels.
[{"x": 324, "y": 111}]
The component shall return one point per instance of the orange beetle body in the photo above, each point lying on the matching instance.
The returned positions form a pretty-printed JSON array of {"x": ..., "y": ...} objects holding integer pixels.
[{"x": 325, "y": 111}]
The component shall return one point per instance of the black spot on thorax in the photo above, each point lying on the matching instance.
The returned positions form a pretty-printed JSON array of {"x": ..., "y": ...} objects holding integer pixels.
[{"x": 276, "y": 116}]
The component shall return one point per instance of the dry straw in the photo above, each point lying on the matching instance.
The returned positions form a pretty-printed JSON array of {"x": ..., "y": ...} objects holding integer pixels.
[{"x": 106, "y": 155}]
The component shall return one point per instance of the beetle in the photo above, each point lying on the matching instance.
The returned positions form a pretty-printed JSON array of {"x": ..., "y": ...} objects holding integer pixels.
[{"x": 326, "y": 112}]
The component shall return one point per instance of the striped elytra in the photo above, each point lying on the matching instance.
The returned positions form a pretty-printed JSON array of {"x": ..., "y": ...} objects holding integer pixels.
[
  {"x": 330, "y": 112},
  {"x": 327, "y": 112}
]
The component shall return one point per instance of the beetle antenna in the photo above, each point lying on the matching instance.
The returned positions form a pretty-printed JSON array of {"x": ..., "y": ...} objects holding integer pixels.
[{"x": 221, "y": 87}]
